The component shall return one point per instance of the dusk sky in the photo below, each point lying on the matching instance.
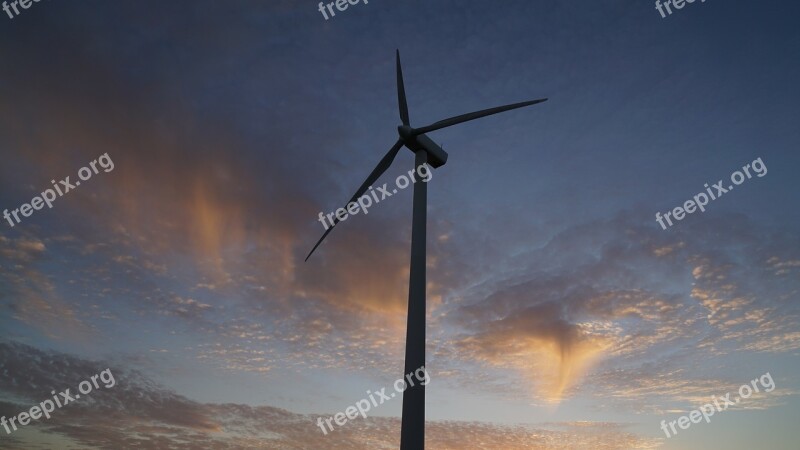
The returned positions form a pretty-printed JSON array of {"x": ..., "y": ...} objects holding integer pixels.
[{"x": 561, "y": 314}]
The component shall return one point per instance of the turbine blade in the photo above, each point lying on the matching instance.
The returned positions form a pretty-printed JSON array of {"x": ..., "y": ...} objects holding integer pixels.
[
  {"x": 373, "y": 177},
  {"x": 473, "y": 115},
  {"x": 401, "y": 93}
]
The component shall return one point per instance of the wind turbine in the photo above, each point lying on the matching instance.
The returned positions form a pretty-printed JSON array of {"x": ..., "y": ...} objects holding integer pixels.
[{"x": 412, "y": 434}]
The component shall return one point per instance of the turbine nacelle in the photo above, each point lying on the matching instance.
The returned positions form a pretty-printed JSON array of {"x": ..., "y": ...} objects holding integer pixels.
[{"x": 415, "y": 142}]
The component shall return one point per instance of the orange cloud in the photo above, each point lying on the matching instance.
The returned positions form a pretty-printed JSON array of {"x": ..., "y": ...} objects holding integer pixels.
[{"x": 553, "y": 353}]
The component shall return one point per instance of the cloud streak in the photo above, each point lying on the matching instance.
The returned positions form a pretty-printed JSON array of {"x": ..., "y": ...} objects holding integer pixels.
[{"x": 138, "y": 412}]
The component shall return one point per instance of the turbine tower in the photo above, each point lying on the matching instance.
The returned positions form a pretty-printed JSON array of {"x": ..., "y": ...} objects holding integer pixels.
[{"x": 412, "y": 434}]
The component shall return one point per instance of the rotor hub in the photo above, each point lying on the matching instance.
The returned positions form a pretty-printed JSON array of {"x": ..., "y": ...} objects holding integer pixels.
[{"x": 406, "y": 132}]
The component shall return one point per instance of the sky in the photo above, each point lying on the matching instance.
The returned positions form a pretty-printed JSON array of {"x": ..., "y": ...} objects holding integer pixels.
[{"x": 560, "y": 313}]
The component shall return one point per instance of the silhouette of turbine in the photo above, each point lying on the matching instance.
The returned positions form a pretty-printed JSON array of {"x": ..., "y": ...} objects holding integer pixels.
[{"x": 412, "y": 434}]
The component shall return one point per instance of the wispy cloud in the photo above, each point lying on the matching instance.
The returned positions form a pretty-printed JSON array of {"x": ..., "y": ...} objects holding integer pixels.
[{"x": 138, "y": 412}]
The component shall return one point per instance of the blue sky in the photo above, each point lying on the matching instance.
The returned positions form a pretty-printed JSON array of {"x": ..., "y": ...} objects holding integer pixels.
[{"x": 559, "y": 312}]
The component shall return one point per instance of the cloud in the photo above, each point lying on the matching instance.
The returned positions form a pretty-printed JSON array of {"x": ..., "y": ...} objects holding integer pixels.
[
  {"x": 31, "y": 296},
  {"x": 668, "y": 388},
  {"x": 138, "y": 412},
  {"x": 191, "y": 195},
  {"x": 615, "y": 296},
  {"x": 544, "y": 344}
]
